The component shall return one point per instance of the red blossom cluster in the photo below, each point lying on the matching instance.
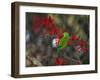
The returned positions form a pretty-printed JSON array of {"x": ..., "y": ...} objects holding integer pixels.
[
  {"x": 59, "y": 61},
  {"x": 81, "y": 44},
  {"x": 48, "y": 24}
]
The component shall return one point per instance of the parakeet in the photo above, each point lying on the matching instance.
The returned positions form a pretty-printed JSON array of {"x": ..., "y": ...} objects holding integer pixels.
[{"x": 64, "y": 40}]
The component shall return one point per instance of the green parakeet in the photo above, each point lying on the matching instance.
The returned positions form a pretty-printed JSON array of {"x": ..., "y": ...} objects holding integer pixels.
[{"x": 63, "y": 41}]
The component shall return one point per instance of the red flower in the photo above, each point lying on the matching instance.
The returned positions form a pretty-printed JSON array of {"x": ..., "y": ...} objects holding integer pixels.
[
  {"x": 52, "y": 32},
  {"x": 85, "y": 50},
  {"x": 59, "y": 35},
  {"x": 82, "y": 43},
  {"x": 46, "y": 21},
  {"x": 59, "y": 61},
  {"x": 56, "y": 30},
  {"x": 74, "y": 38},
  {"x": 51, "y": 20}
]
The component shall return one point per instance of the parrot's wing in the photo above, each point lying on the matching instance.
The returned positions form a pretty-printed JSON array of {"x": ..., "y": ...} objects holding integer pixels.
[{"x": 62, "y": 43}]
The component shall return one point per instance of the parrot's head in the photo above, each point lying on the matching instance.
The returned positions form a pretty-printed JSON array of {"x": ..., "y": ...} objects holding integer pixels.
[{"x": 65, "y": 34}]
